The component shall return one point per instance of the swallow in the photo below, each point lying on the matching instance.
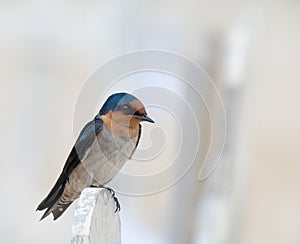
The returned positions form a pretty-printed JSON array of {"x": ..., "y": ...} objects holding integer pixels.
[{"x": 103, "y": 146}]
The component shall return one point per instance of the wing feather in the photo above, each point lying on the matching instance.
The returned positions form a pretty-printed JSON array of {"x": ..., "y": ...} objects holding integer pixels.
[{"x": 84, "y": 141}]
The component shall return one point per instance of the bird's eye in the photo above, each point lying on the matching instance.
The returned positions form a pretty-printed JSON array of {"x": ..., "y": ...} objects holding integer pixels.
[{"x": 125, "y": 107}]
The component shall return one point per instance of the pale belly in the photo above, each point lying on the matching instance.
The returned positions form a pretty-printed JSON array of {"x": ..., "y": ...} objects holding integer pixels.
[{"x": 106, "y": 156}]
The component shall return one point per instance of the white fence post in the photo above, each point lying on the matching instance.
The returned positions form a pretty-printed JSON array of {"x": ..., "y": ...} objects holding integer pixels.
[{"x": 95, "y": 220}]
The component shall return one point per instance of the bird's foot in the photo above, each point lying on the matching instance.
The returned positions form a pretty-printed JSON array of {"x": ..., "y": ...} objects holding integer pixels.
[{"x": 112, "y": 192}]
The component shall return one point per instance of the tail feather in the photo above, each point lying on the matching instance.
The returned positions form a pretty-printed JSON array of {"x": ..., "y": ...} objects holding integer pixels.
[
  {"x": 52, "y": 197},
  {"x": 60, "y": 209},
  {"x": 57, "y": 201},
  {"x": 51, "y": 202},
  {"x": 48, "y": 211},
  {"x": 57, "y": 210}
]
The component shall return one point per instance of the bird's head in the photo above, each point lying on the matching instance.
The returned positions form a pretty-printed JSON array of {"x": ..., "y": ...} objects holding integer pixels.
[{"x": 124, "y": 109}]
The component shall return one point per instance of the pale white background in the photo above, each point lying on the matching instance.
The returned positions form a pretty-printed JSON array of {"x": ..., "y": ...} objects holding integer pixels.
[{"x": 250, "y": 49}]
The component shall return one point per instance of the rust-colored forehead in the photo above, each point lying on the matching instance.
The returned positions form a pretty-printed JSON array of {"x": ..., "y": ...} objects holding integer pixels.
[{"x": 138, "y": 106}]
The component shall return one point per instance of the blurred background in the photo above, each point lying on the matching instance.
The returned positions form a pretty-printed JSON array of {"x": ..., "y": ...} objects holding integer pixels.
[{"x": 251, "y": 51}]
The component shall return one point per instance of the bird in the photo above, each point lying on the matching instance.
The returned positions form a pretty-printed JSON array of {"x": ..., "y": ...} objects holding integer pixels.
[{"x": 103, "y": 146}]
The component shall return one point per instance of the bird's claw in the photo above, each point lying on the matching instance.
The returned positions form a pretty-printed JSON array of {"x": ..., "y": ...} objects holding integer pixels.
[
  {"x": 118, "y": 207},
  {"x": 112, "y": 192}
]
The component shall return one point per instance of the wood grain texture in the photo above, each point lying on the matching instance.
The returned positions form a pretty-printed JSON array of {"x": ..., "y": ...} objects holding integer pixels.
[{"x": 95, "y": 220}]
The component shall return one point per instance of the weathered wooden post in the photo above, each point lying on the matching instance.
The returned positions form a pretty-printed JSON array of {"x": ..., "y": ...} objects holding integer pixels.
[{"x": 95, "y": 220}]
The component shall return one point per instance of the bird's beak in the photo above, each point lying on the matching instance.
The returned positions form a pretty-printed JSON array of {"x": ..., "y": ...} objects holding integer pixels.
[{"x": 144, "y": 117}]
